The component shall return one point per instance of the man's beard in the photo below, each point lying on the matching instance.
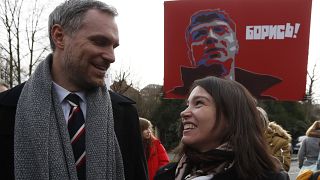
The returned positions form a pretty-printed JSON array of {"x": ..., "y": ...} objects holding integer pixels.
[{"x": 77, "y": 76}]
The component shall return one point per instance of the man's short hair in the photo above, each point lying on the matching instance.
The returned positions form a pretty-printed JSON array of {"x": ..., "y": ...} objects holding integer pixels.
[
  {"x": 206, "y": 16},
  {"x": 70, "y": 14}
]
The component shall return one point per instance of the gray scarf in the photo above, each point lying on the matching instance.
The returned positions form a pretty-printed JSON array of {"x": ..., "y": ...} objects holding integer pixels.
[{"x": 42, "y": 148}]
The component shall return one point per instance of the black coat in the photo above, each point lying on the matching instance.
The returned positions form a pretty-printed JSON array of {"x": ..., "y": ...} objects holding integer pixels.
[
  {"x": 126, "y": 124},
  {"x": 254, "y": 82}
]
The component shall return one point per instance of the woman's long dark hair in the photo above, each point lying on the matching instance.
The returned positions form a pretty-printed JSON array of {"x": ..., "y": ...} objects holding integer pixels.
[{"x": 245, "y": 130}]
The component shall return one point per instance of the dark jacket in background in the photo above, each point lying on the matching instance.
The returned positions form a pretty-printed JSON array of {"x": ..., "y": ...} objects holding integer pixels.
[{"x": 126, "y": 124}]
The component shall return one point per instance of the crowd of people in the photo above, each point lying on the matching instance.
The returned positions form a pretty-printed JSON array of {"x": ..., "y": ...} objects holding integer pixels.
[{"x": 63, "y": 123}]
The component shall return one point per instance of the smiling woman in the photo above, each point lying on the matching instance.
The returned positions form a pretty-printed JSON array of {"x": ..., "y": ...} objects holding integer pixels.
[
  {"x": 201, "y": 130},
  {"x": 222, "y": 136}
]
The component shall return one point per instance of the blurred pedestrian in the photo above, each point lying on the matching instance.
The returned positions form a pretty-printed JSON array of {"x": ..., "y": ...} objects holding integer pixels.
[
  {"x": 222, "y": 136},
  {"x": 279, "y": 140},
  {"x": 310, "y": 147},
  {"x": 156, "y": 154}
]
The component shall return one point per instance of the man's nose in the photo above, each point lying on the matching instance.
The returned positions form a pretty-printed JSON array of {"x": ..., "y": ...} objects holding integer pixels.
[
  {"x": 108, "y": 55},
  {"x": 211, "y": 37}
]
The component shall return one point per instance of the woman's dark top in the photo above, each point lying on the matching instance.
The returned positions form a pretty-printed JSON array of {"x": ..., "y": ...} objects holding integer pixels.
[{"x": 168, "y": 173}]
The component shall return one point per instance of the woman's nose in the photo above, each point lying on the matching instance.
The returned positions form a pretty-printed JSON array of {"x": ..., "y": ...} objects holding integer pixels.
[{"x": 185, "y": 113}]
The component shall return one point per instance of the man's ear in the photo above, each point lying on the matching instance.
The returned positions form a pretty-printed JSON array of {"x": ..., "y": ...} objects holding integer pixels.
[{"x": 57, "y": 35}]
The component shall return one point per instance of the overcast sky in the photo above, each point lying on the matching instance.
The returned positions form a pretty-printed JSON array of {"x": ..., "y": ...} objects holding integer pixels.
[
  {"x": 142, "y": 37},
  {"x": 314, "y": 44}
]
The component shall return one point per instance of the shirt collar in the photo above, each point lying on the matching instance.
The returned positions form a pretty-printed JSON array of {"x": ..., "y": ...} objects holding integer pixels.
[{"x": 63, "y": 93}]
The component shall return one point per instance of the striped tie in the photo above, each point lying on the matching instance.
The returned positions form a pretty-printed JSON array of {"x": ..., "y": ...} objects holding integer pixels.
[{"x": 77, "y": 134}]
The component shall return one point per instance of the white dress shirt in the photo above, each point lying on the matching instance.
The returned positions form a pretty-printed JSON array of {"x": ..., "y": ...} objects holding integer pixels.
[{"x": 63, "y": 93}]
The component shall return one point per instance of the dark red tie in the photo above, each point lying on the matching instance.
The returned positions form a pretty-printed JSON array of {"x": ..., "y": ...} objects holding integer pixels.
[{"x": 76, "y": 130}]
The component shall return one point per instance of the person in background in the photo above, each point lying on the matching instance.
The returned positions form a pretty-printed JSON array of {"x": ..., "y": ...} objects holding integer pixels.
[
  {"x": 222, "y": 136},
  {"x": 310, "y": 147},
  {"x": 278, "y": 139},
  {"x": 3, "y": 86},
  {"x": 156, "y": 154},
  {"x": 63, "y": 123}
]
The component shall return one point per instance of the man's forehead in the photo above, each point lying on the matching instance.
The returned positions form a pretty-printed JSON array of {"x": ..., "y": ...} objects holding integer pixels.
[{"x": 215, "y": 22}]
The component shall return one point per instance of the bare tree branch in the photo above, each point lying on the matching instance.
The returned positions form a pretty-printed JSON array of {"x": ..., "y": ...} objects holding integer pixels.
[
  {"x": 120, "y": 84},
  {"x": 15, "y": 53},
  {"x": 312, "y": 80}
]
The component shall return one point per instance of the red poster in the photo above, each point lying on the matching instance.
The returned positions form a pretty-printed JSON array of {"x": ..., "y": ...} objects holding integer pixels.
[{"x": 261, "y": 44}]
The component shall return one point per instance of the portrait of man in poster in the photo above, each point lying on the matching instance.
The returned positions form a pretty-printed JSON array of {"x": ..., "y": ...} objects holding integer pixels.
[{"x": 212, "y": 48}]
